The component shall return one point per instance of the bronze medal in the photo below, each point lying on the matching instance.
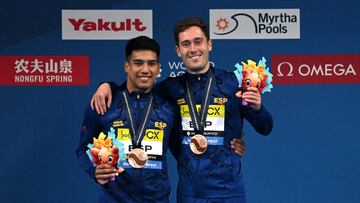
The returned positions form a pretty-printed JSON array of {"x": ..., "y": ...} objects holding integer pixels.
[
  {"x": 198, "y": 144},
  {"x": 137, "y": 158}
]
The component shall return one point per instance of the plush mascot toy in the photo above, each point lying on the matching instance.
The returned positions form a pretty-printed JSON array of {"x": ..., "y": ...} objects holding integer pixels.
[
  {"x": 252, "y": 75},
  {"x": 107, "y": 151}
]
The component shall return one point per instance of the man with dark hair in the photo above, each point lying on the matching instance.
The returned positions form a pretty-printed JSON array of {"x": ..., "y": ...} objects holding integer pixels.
[
  {"x": 181, "y": 26},
  {"x": 211, "y": 118},
  {"x": 137, "y": 113}
]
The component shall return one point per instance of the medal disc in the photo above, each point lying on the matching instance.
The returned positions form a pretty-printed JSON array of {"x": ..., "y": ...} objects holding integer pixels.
[
  {"x": 198, "y": 144},
  {"x": 137, "y": 158}
]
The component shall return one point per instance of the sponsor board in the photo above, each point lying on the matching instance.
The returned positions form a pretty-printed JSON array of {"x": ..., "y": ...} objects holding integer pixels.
[
  {"x": 316, "y": 69},
  {"x": 254, "y": 23},
  {"x": 44, "y": 70},
  {"x": 106, "y": 24}
]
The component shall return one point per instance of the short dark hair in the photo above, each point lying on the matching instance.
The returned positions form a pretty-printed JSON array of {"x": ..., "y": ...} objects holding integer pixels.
[
  {"x": 141, "y": 43},
  {"x": 189, "y": 22}
]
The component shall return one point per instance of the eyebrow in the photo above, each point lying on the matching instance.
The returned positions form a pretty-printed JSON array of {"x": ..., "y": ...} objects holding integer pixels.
[
  {"x": 141, "y": 60},
  {"x": 196, "y": 38}
]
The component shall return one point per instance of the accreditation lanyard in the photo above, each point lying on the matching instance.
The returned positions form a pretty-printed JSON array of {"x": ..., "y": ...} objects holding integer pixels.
[
  {"x": 199, "y": 118},
  {"x": 137, "y": 136}
]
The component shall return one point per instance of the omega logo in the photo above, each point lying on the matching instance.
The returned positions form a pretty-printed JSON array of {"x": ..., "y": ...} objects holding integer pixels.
[{"x": 287, "y": 69}]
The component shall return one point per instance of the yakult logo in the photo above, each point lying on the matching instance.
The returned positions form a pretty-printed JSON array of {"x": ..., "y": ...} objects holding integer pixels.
[
  {"x": 106, "y": 24},
  {"x": 316, "y": 69},
  {"x": 255, "y": 24},
  {"x": 101, "y": 24}
]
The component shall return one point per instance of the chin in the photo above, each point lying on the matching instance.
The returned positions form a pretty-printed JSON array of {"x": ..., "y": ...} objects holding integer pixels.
[
  {"x": 144, "y": 87},
  {"x": 196, "y": 69}
]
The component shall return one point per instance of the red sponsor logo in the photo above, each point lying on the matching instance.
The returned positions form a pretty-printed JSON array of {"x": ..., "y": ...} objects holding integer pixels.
[
  {"x": 44, "y": 70},
  {"x": 103, "y": 25},
  {"x": 316, "y": 69}
]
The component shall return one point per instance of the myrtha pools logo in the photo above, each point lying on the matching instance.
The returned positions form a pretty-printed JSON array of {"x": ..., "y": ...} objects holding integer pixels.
[{"x": 255, "y": 24}]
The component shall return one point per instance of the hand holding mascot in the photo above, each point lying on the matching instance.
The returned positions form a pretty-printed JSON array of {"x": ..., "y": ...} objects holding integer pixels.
[
  {"x": 107, "y": 151},
  {"x": 252, "y": 75}
]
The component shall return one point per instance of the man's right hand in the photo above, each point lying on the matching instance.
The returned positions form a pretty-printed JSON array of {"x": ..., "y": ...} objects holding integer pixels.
[
  {"x": 104, "y": 172},
  {"x": 101, "y": 100},
  {"x": 238, "y": 144}
]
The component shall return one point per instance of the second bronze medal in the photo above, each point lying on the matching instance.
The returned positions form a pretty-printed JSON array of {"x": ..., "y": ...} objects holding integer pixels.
[
  {"x": 137, "y": 157},
  {"x": 198, "y": 143}
]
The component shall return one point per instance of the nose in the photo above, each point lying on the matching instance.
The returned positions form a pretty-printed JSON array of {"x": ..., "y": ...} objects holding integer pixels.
[
  {"x": 192, "y": 47},
  {"x": 145, "y": 68}
]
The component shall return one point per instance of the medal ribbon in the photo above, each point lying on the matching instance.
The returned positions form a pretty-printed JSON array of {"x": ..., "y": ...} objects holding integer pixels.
[
  {"x": 137, "y": 136},
  {"x": 199, "y": 118}
]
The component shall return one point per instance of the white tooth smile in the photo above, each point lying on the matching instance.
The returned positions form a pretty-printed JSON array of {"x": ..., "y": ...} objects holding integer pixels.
[{"x": 144, "y": 77}]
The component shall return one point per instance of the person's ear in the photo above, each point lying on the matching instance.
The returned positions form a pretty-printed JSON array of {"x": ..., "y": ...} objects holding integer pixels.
[
  {"x": 210, "y": 45},
  {"x": 126, "y": 67},
  {"x": 177, "y": 50}
]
